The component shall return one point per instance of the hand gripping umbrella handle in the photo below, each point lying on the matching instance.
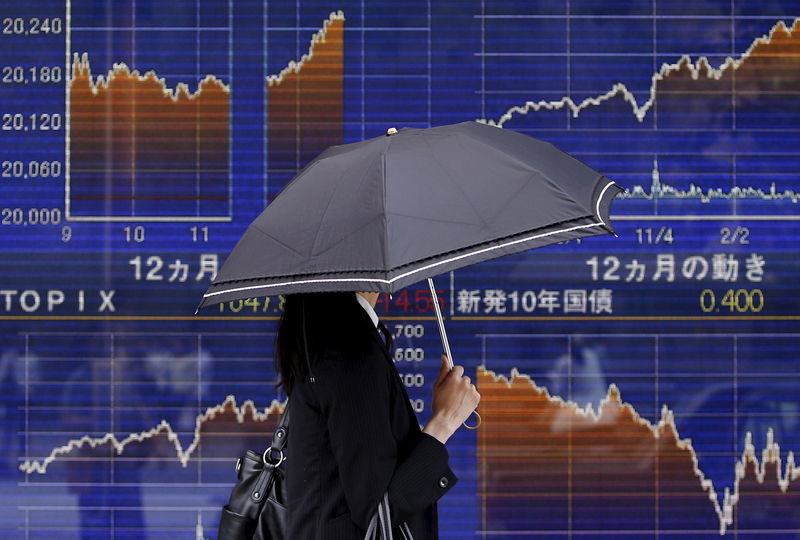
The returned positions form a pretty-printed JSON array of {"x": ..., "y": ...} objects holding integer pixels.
[{"x": 445, "y": 343}]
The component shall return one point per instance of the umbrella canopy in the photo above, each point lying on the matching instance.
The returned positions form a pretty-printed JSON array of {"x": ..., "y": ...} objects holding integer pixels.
[{"x": 384, "y": 213}]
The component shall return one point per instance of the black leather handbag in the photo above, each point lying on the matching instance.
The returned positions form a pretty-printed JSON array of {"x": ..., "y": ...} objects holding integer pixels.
[{"x": 256, "y": 509}]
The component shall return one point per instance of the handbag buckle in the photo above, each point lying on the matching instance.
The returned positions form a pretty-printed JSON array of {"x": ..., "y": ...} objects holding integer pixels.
[{"x": 267, "y": 451}]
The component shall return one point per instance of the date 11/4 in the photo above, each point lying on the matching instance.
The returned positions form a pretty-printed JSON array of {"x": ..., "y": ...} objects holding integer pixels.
[{"x": 652, "y": 236}]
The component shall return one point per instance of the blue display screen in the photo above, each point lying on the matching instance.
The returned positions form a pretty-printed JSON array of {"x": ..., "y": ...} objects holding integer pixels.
[{"x": 642, "y": 386}]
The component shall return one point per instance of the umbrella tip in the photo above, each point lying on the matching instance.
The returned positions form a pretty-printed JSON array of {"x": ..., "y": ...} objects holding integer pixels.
[{"x": 391, "y": 131}]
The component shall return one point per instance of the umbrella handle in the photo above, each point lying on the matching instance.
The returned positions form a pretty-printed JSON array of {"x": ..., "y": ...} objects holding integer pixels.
[
  {"x": 476, "y": 425},
  {"x": 445, "y": 343}
]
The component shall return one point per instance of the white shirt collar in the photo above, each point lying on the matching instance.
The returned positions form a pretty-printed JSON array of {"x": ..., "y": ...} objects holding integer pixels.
[{"x": 370, "y": 311}]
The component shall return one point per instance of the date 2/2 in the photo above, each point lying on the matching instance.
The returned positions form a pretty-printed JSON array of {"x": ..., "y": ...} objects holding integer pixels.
[{"x": 734, "y": 235}]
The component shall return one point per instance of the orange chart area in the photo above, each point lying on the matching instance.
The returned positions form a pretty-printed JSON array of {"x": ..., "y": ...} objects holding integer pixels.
[
  {"x": 547, "y": 465},
  {"x": 305, "y": 104},
  {"x": 138, "y": 149}
]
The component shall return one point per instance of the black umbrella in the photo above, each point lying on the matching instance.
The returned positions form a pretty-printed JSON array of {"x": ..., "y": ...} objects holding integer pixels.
[{"x": 384, "y": 213}]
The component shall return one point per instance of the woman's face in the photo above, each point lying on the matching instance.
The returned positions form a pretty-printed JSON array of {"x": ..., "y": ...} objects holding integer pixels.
[{"x": 371, "y": 297}]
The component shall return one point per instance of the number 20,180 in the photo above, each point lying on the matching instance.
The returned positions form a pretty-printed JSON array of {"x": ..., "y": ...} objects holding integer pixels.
[{"x": 32, "y": 74}]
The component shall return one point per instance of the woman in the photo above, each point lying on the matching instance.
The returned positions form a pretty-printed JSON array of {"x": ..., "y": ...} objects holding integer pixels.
[{"x": 353, "y": 434}]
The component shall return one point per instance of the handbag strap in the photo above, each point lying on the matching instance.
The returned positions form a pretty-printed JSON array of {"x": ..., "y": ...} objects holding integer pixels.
[
  {"x": 279, "y": 437},
  {"x": 265, "y": 478}
]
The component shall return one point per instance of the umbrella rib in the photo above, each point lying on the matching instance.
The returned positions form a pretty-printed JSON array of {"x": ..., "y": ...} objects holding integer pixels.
[
  {"x": 532, "y": 168},
  {"x": 600, "y": 198},
  {"x": 460, "y": 189},
  {"x": 327, "y": 206},
  {"x": 350, "y": 234},
  {"x": 547, "y": 178},
  {"x": 385, "y": 209},
  {"x": 325, "y": 212},
  {"x": 283, "y": 244},
  {"x": 301, "y": 173}
]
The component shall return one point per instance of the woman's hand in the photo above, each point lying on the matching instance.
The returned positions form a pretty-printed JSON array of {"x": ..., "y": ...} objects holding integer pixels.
[{"x": 454, "y": 399}]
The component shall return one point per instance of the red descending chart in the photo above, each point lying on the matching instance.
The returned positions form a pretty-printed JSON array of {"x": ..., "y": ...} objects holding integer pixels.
[{"x": 550, "y": 468}]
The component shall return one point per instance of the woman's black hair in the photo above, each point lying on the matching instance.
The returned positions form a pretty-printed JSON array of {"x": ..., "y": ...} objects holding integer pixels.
[{"x": 332, "y": 320}]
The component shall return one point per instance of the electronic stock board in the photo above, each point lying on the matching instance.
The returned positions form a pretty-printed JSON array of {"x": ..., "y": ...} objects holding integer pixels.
[{"x": 643, "y": 386}]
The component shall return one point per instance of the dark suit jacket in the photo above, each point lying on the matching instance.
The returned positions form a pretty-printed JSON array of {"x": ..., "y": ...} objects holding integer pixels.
[{"x": 353, "y": 434}]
